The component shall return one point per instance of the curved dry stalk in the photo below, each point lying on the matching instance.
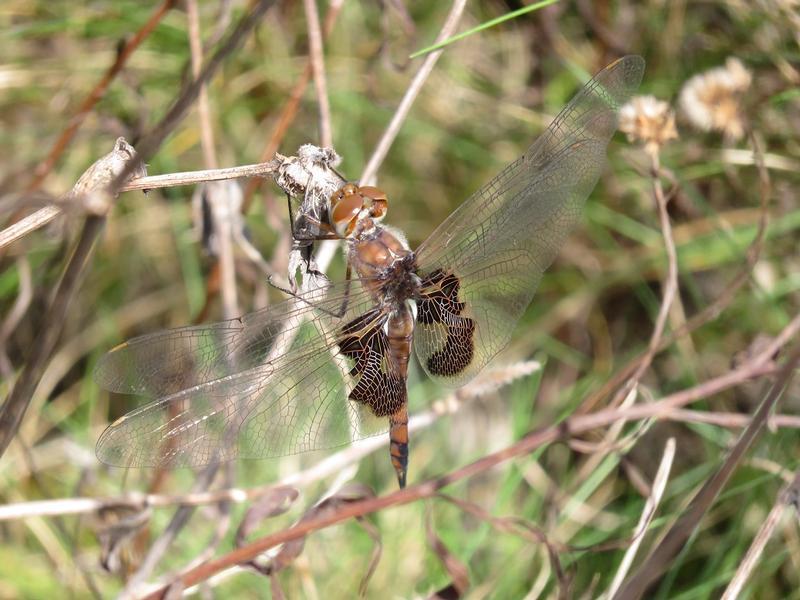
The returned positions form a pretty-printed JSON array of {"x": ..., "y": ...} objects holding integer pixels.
[
  {"x": 15, "y": 314},
  {"x": 648, "y": 512},
  {"x": 787, "y": 497},
  {"x": 382, "y": 149},
  {"x": 291, "y": 107},
  {"x": 220, "y": 198},
  {"x": 670, "y": 285},
  {"x": 715, "y": 308},
  {"x": 43, "y": 216}
]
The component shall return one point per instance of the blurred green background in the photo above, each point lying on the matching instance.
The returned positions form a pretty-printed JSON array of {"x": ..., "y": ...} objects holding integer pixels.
[{"x": 488, "y": 97}]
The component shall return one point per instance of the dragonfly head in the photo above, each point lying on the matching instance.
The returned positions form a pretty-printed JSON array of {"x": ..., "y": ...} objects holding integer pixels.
[{"x": 352, "y": 203}]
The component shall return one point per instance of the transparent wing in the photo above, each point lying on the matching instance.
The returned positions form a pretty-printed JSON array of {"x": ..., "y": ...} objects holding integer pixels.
[
  {"x": 283, "y": 380},
  {"x": 481, "y": 266}
]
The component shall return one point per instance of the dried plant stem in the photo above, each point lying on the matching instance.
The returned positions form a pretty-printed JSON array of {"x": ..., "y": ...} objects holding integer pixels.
[
  {"x": 331, "y": 465},
  {"x": 203, "y": 108},
  {"x": 44, "y": 215},
  {"x": 715, "y": 308},
  {"x": 18, "y": 399},
  {"x": 291, "y": 107},
  {"x": 787, "y": 497},
  {"x": 317, "y": 59},
  {"x": 670, "y": 286},
  {"x": 382, "y": 149},
  {"x": 489, "y": 381},
  {"x": 649, "y": 511},
  {"x": 218, "y": 197},
  {"x": 14, "y": 316}
]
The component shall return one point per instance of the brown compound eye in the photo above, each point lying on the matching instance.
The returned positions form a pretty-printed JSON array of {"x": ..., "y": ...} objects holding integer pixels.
[
  {"x": 346, "y": 203},
  {"x": 375, "y": 200}
]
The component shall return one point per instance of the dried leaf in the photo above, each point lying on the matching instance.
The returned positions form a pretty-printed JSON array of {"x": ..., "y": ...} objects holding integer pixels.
[{"x": 115, "y": 528}]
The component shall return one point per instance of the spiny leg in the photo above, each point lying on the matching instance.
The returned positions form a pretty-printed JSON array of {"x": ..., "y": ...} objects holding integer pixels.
[{"x": 336, "y": 314}]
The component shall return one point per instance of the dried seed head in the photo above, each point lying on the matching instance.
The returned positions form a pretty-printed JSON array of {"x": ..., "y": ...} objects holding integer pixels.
[
  {"x": 712, "y": 100},
  {"x": 648, "y": 120}
]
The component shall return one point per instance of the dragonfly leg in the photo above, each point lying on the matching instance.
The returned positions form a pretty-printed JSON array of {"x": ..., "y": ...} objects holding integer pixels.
[
  {"x": 398, "y": 443},
  {"x": 338, "y": 314}
]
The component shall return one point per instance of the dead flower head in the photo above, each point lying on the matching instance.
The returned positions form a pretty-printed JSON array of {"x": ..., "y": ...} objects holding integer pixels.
[
  {"x": 648, "y": 120},
  {"x": 711, "y": 100}
]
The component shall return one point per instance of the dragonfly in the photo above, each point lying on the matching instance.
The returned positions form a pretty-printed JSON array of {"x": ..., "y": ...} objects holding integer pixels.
[{"x": 328, "y": 366}]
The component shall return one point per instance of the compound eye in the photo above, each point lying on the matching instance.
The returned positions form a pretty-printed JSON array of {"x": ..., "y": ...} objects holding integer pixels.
[
  {"x": 378, "y": 209},
  {"x": 344, "y": 210},
  {"x": 376, "y": 200}
]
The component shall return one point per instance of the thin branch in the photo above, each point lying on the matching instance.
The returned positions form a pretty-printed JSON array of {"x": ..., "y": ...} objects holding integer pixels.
[
  {"x": 219, "y": 197},
  {"x": 44, "y": 215},
  {"x": 292, "y": 106},
  {"x": 715, "y": 308},
  {"x": 203, "y": 108},
  {"x": 726, "y": 419},
  {"x": 160, "y": 546},
  {"x": 648, "y": 512},
  {"x": 14, "y": 316},
  {"x": 670, "y": 286},
  {"x": 382, "y": 149},
  {"x": 485, "y": 383},
  {"x": 317, "y": 59},
  {"x": 285, "y": 119}
]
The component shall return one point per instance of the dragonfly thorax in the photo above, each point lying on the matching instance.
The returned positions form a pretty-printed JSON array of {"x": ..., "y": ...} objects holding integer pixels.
[{"x": 383, "y": 261}]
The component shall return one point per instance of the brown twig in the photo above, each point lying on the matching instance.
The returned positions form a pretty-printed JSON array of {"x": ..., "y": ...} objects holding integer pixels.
[
  {"x": 291, "y": 107},
  {"x": 670, "y": 286},
  {"x": 485, "y": 383},
  {"x": 15, "y": 314},
  {"x": 285, "y": 119},
  {"x": 218, "y": 197},
  {"x": 96, "y": 95},
  {"x": 648, "y": 512},
  {"x": 44, "y": 215}
]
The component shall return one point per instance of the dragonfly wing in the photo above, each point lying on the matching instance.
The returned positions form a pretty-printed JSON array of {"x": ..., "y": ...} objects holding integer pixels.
[
  {"x": 481, "y": 267},
  {"x": 165, "y": 362},
  {"x": 318, "y": 380}
]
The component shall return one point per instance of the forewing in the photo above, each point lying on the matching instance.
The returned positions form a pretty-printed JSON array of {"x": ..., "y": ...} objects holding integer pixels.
[
  {"x": 277, "y": 382},
  {"x": 482, "y": 265}
]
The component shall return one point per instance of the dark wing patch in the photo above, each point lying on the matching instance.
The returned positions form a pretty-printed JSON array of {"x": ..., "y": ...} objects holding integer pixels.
[
  {"x": 440, "y": 304},
  {"x": 380, "y": 386}
]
